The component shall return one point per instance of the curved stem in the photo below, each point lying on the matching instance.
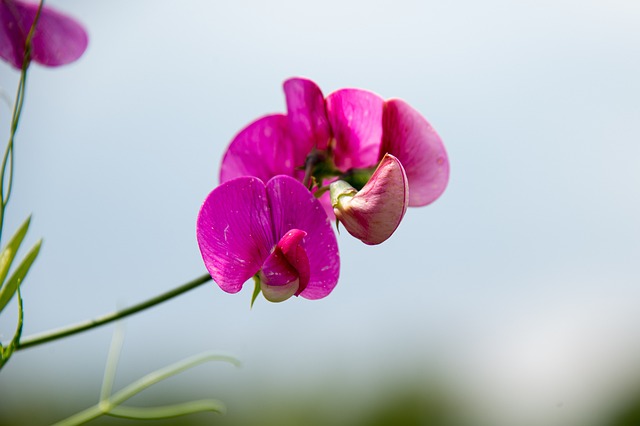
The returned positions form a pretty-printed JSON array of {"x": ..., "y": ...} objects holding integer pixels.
[
  {"x": 15, "y": 120},
  {"x": 48, "y": 336},
  {"x": 7, "y": 160}
]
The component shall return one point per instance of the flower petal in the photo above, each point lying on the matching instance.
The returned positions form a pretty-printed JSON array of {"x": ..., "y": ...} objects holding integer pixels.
[
  {"x": 356, "y": 120},
  {"x": 373, "y": 214},
  {"x": 410, "y": 137},
  {"x": 58, "y": 39},
  {"x": 294, "y": 207},
  {"x": 293, "y": 250},
  {"x": 308, "y": 124},
  {"x": 261, "y": 149},
  {"x": 234, "y": 232},
  {"x": 12, "y": 32},
  {"x": 286, "y": 270}
]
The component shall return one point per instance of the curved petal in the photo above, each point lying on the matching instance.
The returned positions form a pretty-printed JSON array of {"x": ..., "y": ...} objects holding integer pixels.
[
  {"x": 294, "y": 207},
  {"x": 234, "y": 232},
  {"x": 293, "y": 250},
  {"x": 286, "y": 270},
  {"x": 410, "y": 137},
  {"x": 356, "y": 120},
  {"x": 373, "y": 214},
  {"x": 261, "y": 149},
  {"x": 308, "y": 124},
  {"x": 58, "y": 39}
]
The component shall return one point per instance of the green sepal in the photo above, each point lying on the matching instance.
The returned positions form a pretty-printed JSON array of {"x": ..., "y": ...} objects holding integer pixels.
[
  {"x": 12, "y": 284},
  {"x": 9, "y": 252},
  {"x": 256, "y": 290},
  {"x": 358, "y": 178},
  {"x": 339, "y": 189}
]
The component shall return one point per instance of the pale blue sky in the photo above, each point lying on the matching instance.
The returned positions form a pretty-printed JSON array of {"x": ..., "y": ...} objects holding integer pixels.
[{"x": 521, "y": 283}]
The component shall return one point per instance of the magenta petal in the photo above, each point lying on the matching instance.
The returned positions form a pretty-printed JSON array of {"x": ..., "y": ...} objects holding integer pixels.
[
  {"x": 286, "y": 270},
  {"x": 278, "y": 278},
  {"x": 58, "y": 39},
  {"x": 261, "y": 149},
  {"x": 14, "y": 26},
  {"x": 409, "y": 137},
  {"x": 356, "y": 120},
  {"x": 293, "y": 250},
  {"x": 308, "y": 124},
  {"x": 234, "y": 232},
  {"x": 294, "y": 207},
  {"x": 325, "y": 201}
]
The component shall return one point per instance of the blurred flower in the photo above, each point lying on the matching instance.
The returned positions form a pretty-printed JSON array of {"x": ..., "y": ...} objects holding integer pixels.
[
  {"x": 276, "y": 232},
  {"x": 57, "y": 40},
  {"x": 373, "y": 213},
  {"x": 341, "y": 136}
]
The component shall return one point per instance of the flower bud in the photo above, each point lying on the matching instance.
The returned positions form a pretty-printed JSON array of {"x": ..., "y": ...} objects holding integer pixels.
[{"x": 373, "y": 213}]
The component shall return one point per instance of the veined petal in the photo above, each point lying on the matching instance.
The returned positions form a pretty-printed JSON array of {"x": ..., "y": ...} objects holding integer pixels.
[
  {"x": 294, "y": 207},
  {"x": 410, "y": 137},
  {"x": 261, "y": 149},
  {"x": 356, "y": 120},
  {"x": 286, "y": 270},
  {"x": 373, "y": 214},
  {"x": 234, "y": 231},
  {"x": 58, "y": 39},
  {"x": 307, "y": 117}
]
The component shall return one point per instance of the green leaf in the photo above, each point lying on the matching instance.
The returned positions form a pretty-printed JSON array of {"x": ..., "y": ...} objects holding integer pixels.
[
  {"x": 12, "y": 284},
  {"x": 9, "y": 252},
  {"x": 167, "y": 411},
  {"x": 112, "y": 405},
  {"x": 166, "y": 372},
  {"x": 256, "y": 290}
]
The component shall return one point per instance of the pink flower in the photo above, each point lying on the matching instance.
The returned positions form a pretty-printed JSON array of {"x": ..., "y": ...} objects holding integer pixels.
[
  {"x": 57, "y": 40},
  {"x": 339, "y": 136},
  {"x": 373, "y": 213},
  {"x": 276, "y": 232}
]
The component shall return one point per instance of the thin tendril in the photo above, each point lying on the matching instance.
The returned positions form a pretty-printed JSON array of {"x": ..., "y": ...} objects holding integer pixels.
[{"x": 8, "y": 158}]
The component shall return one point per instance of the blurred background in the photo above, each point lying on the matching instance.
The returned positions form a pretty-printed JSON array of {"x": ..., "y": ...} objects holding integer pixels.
[{"x": 513, "y": 300}]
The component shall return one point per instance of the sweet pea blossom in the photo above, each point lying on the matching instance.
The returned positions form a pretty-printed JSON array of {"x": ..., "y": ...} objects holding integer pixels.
[
  {"x": 277, "y": 233},
  {"x": 373, "y": 213},
  {"x": 57, "y": 40},
  {"x": 348, "y": 132}
]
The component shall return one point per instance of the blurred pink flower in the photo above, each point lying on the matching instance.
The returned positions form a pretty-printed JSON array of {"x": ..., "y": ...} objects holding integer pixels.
[
  {"x": 277, "y": 232},
  {"x": 57, "y": 40}
]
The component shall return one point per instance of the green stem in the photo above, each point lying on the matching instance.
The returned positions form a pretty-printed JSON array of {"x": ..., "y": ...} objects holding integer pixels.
[
  {"x": 87, "y": 325},
  {"x": 110, "y": 404},
  {"x": 7, "y": 160},
  {"x": 112, "y": 362}
]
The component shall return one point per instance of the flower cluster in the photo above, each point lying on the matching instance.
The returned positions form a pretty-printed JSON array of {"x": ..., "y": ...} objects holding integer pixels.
[{"x": 351, "y": 156}]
